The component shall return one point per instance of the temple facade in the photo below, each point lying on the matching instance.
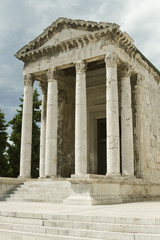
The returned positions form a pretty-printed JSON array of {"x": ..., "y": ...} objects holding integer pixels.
[{"x": 100, "y": 119}]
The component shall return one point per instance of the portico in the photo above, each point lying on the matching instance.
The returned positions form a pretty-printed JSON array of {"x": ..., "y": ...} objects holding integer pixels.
[
  {"x": 87, "y": 71},
  {"x": 49, "y": 121}
]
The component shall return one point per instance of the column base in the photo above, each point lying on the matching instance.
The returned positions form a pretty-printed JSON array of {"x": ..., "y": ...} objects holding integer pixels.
[
  {"x": 24, "y": 177},
  {"x": 113, "y": 175},
  {"x": 50, "y": 177},
  {"x": 79, "y": 200},
  {"x": 90, "y": 189},
  {"x": 41, "y": 177},
  {"x": 87, "y": 176}
]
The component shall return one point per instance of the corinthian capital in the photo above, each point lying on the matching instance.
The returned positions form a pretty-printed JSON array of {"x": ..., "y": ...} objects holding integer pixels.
[
  {"x": 43, "y": 86},
  {"x": 81, "y": 67},
  {"x": 52, "y": 74},
  {"x": 111, "y": 59},
  {"x": 126, "y": 71},
  {"x": 28, "y": 81}
]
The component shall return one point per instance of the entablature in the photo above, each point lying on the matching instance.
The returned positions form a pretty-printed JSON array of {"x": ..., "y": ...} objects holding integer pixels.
[{"x": 89, "y": 47}]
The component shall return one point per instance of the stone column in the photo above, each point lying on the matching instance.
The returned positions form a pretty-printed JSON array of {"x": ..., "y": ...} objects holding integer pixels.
[
  {"x": 81, "y": 120},
  {"x": 43, "y": 86},
  {"x": 51, "y": 125},
  {"x": 26, "y": 134},
  {"x": 112, "y": 118},
  {"x": 126, "y": 124}
]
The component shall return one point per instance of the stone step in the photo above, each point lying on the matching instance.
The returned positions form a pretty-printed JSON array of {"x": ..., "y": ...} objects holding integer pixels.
[
  {"x": 61, "y": 233},
  {"x": 25, "y": 214},
  {"x": 18, "y": 220},
  {"x": 39, "y": 195},
  {"x": 17, "y": 235},
  {"x": 49, "y": 184},
  {"x": 53, "y": 199},
  {"x": 84, "y": 225},
  {"x": 80, "y": 218},
  {"x": 93, "y": 223},
  {"x": 68, "y": 232},
  {"x": 40, "y": 191},
  {"x": 128, "y": 228},
  {"x": 39, "y": 226},
  {"x": 16, "y": 199},
  {"x": 53, "y": 188},
  {"x": 101, "y": 219}
]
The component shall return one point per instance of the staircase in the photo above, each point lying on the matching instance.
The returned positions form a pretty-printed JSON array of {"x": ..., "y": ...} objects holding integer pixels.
[
  {"x": 40, "y": 191},
  {"x": 34, "y": 211},
  {"x": 35, "y": 226}
]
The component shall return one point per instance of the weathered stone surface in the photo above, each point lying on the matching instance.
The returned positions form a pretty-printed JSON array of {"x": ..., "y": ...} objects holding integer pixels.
[
  {"x": 112, "y": 115},
  {"x": 81, "y": 120},
  {"x": 51, "y": 126},
  {"x": 26, "y": 135},
  {"x": 126, "y": 124},
  {"x": 66, "y": 131},
  {"x": 118, "y": 85},
  {"x": 43, "y": 131}
]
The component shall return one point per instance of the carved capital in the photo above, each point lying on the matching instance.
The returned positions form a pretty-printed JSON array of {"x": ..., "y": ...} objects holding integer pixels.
[
  {"x": 28, "y": 81},
  {"x": 111, "y": 59},
  {"x": 126, "y": 71},
  {"x": 52, "y": 74},
  {"x": 43, "y": 86},
  {"x": 81, "y": 67}
]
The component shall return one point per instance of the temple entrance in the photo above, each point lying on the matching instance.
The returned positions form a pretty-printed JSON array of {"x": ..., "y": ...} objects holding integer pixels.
[{"x": 101, "y": 146}]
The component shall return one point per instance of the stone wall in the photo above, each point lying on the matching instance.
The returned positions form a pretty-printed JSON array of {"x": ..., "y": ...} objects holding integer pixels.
[
  {"x": 66, "y": 129},
  {"x": 96, "y": 109},
  {"x": 95, "y": 190},
  {"x": 150, "y": 128}
]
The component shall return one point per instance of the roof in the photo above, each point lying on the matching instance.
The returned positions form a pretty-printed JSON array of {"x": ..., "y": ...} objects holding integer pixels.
[
  {"x": 94, "y": 30},
  {"x": 60, "y": 24}
]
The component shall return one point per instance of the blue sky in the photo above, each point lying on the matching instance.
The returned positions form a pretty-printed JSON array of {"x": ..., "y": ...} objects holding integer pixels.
[{"x": 22, "y": 20}]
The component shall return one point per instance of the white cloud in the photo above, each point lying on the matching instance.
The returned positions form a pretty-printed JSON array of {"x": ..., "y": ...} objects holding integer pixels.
[
  {"x": 141, "y": 20},
  {"x": 45, "y": 12},
  {"x": 21, "y": 21}
]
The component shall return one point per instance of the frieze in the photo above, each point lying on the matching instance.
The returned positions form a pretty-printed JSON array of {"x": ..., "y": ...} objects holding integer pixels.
[
  {"x": 66, "y": 45},
  {"x": 110, "y": 34},
  {"x": 62, "y": 23}
]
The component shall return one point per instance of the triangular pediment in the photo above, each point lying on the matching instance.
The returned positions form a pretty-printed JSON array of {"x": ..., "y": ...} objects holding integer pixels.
[
  {"x": 63, "y": 29},
  {"x": 65, "y": 34}
]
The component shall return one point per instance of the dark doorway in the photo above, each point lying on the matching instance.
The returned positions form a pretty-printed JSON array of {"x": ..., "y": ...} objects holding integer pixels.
[{"x": 101, "y": 146}]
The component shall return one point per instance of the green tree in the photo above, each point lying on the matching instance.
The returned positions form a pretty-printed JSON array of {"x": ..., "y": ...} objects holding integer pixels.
[
  {"x": 4, "y": 166},
  {"x": 36, "y": 134},
  {"x": 15, "y": 138}
]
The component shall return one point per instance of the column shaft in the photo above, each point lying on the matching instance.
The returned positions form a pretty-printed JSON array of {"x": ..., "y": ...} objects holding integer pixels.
[
  {"x": 126, "y": 124},
  {"x": 26, "y": 133},
  {"x": 81, "y": 120},
  {"x": 43, "y": 130},
  {"x": 51, "y": 126},
  {"x": 112, "y": 111}
]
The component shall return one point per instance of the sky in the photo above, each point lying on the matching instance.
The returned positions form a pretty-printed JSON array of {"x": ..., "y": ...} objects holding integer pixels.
[{"x": 23, "y": 20}]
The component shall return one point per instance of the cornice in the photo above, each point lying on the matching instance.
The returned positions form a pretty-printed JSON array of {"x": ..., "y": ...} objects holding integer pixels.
[
  {"x": 106, "y": 33},
  {"x": 109, "y": 35},
  {"x": 58, "y": 25}
]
